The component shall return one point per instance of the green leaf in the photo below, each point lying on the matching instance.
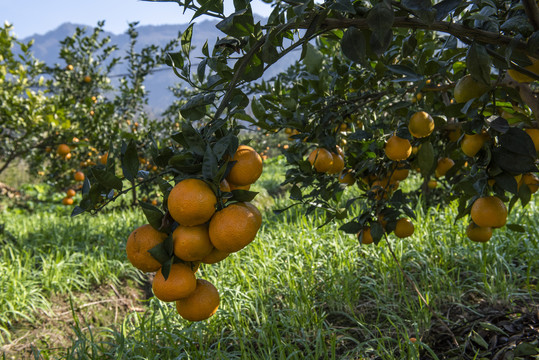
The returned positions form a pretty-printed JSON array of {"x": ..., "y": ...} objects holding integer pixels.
[
  {"x": 507, "y": 182},
  {"x": 516, "y": 228},
  {"x": 524, "y": 194},
  {"x": 77, "y": 210},
  {"x": 107, "y": 179},
  {"x": 526, "y": 349},
  {"x": 445, "y": 7},
  {"x": 352, "y": 227},
  {"x": 353, "y": 45},
  {"x": 222, "y": 145},
  {"x": 159, "y": 253},
  {"x": 313, "y": 59},
  {"x": 209, "y": 164},
  {"x": 186, "y": 40},
  {"x": 243, "y": 195},
  {"x": 165, "y": 269},
  {"x": 130, "y": 162},
  {"x": 295, "y": 193},
  {"x": 518, "y": 141},
  {"x": 380, "y": 20},
  {"x": 479, "y": 63},
  {"x": 258, "y": 109},
  {"x": 193, "y": 139},
  {"x": 425, "y": 158},
  {"x": 238, "y": 24},
  {"x": 195, "y": 108},
  {"x": 175, "y": 60},
  {"x": 153, "y": 215}
]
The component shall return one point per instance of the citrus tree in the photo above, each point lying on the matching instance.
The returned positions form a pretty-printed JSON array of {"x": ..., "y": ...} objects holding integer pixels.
[{"x": 444, "y": 93}]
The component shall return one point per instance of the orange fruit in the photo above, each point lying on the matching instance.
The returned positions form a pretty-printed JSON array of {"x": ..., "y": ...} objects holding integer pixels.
[
  {"x": 421, "y": 124},
  {"x": 87, "y": 79},
  {"x": 321, "y": 159},
  {"x": 338, "y": 164},
  {"x": 191, "y": 202},
  {"x": 478, "y": 233},
  {"x": 399, "y": 174},
  {"x": 215, "y": 256},
  {"x": 139, "y": 242},
  {"x": 63, "y": 150},
  {"x": 236, "y": 187},
  {"x": 367, "y": 237},
  {"x": 191, "y": 243},
  {"x": 534, "y": 134},
  {"x": 347, "y": 177},
  {"x": 103, "y": 158},
  {"x": 248, "y": 166},
  {"x": 397, "y": 148},
  {"x": 70, "y": 193},
  {"x": 471, "y": 144},
  {"x": 69, "y": 67},
  {"x": 468, "y": 88},
  {"x": 444, "y": 164},
  {"x": 531, "y": 180},
  {"x": 67, "y": 201},
  {"x": 404, "y": 228},
  {"x": 181, "y": 282},
  {"x": 432, "y": 184},
  {"x": 201, "y": 304},
  {"x": 454, "y": 134},
  {"x": 489, "y": 211},
  {"x": 79, "y": 176},
  {"x": 234, "y": 227},
  {"x": 520, "y": 77}
]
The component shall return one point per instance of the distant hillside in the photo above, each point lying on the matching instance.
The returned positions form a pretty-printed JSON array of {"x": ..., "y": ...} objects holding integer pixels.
[{"x": 46, "y": 48}]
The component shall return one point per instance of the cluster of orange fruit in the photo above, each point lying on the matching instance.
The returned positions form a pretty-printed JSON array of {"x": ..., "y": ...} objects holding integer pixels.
[
  {"x": 64, "y": 151},
  {"x": 331, "y": 162},
  {"x": 203, "y": 235}
]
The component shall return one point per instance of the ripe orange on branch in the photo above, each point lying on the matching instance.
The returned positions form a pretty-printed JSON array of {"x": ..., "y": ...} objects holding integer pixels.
[
  {"x": 321, "y": 159},
  {"x": 397, "y": 148},
  {"x": 421, "y": 124},
  {"x": 139, "y": 242},
  {"x": 471, "y": 144},
  {"x": 338, "y": 164},
  {"x": 534, "y": 134},
  {"x": 192, "y": 243},
  {"x": 215, "y": 256},
  {"x": 478, "y": 233},
  {"x": 404, "y": 228},
  {"x": 79, "y": 176},
  {"x": 201, "y": 304},
  {"x": 248, "y": 166},
  {"x": 181, "y": 282},
  {"x": 63, "y": 150},
  {"x": 191, "y": 202},
  {"x": 234, "y": 227},
  {"x": 367, "y": 237},
  {"x": 443, "y": 166},
  {"x": 489, "y": 211}
]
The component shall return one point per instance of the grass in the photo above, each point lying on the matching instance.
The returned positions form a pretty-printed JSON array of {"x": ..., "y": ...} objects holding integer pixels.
[{"x": 297, "y": 292}]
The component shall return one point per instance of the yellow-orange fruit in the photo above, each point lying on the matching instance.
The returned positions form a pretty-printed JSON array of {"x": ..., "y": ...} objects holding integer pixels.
[
  {"x": 338, "y": 164},
  {"x": 347, "y": 177},
  {"x": 534, "y": 134},
  {"x": 404, "y": 228},
  {"x": 70, "y": 193},
  {"x": 79, "y": 176},
  {"x": 215, "y": 256},
  {"x": 489, "y": 211},
  {"x": 421, "y": 124},
  {"x": 248, "y": 166},
  {"x": 478, "y": 233},
  {"x": 321, "y": 159},
  {"x": 191, "y": 202},
  {"x": 397, "y": 148},
  {"x": 181, "y": 282},
  {"x": 140, "y": 241},
  {"x": 471, "y": 144},
  {"x": 201, "y": 304},
  {"x": 234, "y": 227},
  {"x": 443, "y": 166},
  {"x": 67, "y": 201},
  {"x": 367, "y": 237},
  {"x": 531, "y": 180},
  {"x": 191, "y": 243},
  {"x": 63, "y": 150}
]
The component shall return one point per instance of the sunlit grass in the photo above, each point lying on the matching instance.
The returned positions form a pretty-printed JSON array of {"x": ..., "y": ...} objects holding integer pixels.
[{"x": 297, "y": 292}]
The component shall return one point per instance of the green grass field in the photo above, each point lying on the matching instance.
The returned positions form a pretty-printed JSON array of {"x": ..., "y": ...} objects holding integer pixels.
[{"x": 297, "y": 292}]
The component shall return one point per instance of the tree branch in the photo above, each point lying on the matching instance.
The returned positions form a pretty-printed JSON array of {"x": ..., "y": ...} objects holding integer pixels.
[
  {"x": 532, "y": 12},
  {"x": 457, "y": 30}
]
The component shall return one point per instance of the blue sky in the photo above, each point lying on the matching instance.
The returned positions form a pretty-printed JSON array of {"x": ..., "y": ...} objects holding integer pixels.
[{"x": 37, "y": 16}]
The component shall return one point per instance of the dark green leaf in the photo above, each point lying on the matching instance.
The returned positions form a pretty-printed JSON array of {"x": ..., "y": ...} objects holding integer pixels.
[
  {"x": 193, "y": 139},
  {"x": 107, "y": 179},
  {"x": 425, "y": 158},
  {"x": 238, "y": 24},
  {"x": 518, "y": 141},
  {"x": 295, "y": 193},
  {"x": 445, "y": 7},
  {"x": 243, "y": 195},
  {"x": 159, "y": 253},
  {"x": 516, "y": 228},
  {"x": 175, "y": 60},
  {"x": 153, "y": 215},
  {"x": 479, "y": 63},
  {"x": 499, "y": 124},
  {"x": 209, "y": 164},
  {"x": 352, "y": 227},
  {"x": 77, "y": 210},
  {"x": 524, "y": 194},
  {"x": 507, "y": 182},
  {"x": 165, "y": 269},
  {"x": 130, "y": 161},
  {"x": 353, "y": 45},
  {"x": 186, "y": 40}
]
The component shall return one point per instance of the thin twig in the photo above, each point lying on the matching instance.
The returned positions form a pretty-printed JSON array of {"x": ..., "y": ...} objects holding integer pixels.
[{"x": 413, "y": 284}]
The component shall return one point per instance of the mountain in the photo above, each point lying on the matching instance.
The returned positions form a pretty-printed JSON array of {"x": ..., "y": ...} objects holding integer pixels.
[{"x": 46, "y": 48}]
